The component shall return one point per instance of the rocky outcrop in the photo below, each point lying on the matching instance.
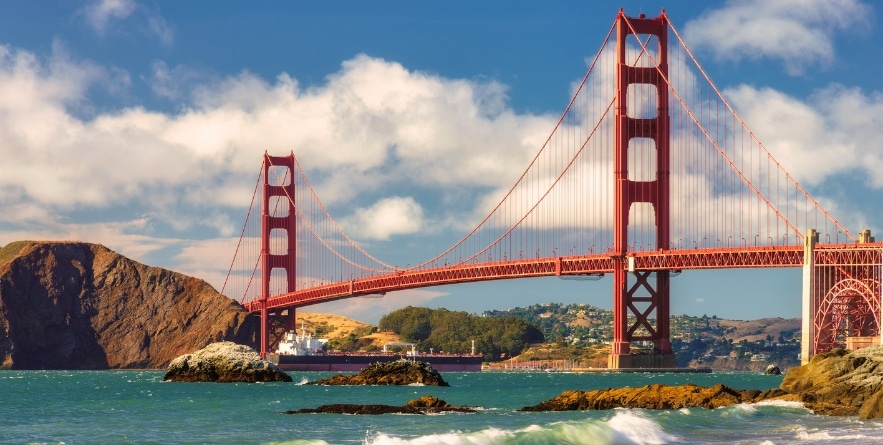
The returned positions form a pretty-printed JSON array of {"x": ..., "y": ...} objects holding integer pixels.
[
  {"x": 772, "y": 370},
  {"x": 66, "y": 305},
  {"x": 656, "y": 396},
  {"x": 841, "y": 382},
  {"x": 224, "y": 362},
  {"x": 423, "y": 405},
  {"x": 837, "y": 383},
  {"x": 399, "y": 372}
]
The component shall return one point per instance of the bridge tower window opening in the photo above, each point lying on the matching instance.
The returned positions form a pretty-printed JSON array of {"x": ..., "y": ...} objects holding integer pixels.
[
  {"x": 279, "y": 206},
  {"x": 279, "y": 242},
  {"x": 642, "y": 160}
]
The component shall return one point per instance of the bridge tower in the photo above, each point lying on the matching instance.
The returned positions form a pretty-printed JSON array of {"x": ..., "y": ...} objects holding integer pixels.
[
  {"x": 278, "y": 223},
  {"x": 648, "y": 297},
  {"x": 842, "y": 295}
]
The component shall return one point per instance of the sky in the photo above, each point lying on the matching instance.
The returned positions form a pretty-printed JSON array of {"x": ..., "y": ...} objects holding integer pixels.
[{"x": 140, "y": 125}]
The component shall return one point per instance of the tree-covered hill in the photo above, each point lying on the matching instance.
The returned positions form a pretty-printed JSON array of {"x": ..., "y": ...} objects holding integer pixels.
[
  {"x": 701, "y": 341},
  {"x": 581, "y": 333},
  {"x": 441, "y": 330}
]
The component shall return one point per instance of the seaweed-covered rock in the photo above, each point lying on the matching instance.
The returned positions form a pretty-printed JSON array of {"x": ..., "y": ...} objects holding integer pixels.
[
  {"x": 399, "y": 372},
  {"x": 224, "y": 362},
  {"x": 423, "y": 405}
]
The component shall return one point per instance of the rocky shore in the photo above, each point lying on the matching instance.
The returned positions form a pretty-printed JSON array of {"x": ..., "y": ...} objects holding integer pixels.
[
  {"x": 839, "y": 383},
  {"x": 656, "y": 396},
  {"x": 224, "y": 362},
  {"x": 399, "y": 372}
]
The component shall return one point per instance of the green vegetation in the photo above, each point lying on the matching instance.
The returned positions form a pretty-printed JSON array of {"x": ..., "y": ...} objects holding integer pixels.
[
  {"x": 582, "y": 333},
  {"x": 696, "y": 340},
  {"x": 355, "y": 341},
  {"x": 441, "y": 330},
  {"x": 12, "y": 250}
]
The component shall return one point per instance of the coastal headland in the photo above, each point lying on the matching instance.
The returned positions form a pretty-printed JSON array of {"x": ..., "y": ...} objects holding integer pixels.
[{"x": 73, "y": 305}]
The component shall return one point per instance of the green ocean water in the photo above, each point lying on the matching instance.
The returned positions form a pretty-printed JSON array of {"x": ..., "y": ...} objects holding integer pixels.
[{"x": 113, "y": 407}]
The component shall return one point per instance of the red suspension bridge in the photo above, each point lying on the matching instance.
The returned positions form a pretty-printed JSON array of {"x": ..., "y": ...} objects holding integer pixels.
[{"x": 648, "y": 172}]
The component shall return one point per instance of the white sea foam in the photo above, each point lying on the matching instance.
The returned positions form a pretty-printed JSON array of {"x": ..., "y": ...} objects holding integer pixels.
[
  {"x": 625, "y": 427},
  {"x": 825, "y": 436},
  {"x": 782, "y": 404},
  {"x": 299, "y": 442},
  {"x": 633, "y": 428},
  {"x": 744, "y": 408},
  {"x": 488, "y": 436}
]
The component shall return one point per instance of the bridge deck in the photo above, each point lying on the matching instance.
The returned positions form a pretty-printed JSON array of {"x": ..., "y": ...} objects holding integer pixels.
[{"x": 567, "y": 266}]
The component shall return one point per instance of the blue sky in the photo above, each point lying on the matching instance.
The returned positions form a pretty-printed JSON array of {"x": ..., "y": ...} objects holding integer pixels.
[{"x": 140, "y": 125}]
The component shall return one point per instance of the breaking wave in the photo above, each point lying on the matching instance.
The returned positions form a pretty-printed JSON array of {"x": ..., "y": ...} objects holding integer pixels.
[{"x": 624, "y": 427}]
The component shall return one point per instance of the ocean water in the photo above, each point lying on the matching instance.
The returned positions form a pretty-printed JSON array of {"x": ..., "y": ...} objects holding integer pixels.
[{"x": 115, "y": 407}]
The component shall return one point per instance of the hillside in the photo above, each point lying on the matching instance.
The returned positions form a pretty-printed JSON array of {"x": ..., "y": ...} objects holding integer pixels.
[
  {"x": 69, "y": 305},
  {"x": 578, "y": 335},
  {"x": 345, "y": 333},
  {"x": 580, "y": 332}
]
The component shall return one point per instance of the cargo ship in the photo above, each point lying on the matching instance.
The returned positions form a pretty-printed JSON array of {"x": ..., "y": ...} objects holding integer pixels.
[{"x": 305, "y": 352}]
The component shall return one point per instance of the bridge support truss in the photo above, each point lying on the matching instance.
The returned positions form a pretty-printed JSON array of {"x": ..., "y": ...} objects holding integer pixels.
[
  {"x": 647, "y": 298},
  {"x": 278, "y": 245},
  {"x": 842, "y": 295}
]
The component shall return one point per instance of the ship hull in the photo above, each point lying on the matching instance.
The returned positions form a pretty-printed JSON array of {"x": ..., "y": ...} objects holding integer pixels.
[{"x": 355, "y": 363}]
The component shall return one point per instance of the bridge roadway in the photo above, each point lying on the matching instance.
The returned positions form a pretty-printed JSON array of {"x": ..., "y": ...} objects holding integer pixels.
[{"x": 568, "y": 266}]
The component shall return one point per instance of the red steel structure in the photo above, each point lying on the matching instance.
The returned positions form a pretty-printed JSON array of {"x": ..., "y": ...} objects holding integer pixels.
[
  {"x": 277, "y": 214},
  {"x": 627, "y": 192},
  {"x": 648, "y": 172}
]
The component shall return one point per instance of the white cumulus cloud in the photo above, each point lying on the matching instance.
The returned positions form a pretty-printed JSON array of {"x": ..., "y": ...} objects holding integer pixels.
[
  {"x": 391, "y": 216},
  {"x": 798, "y": 32},
  {"x": 835, "y": 131},
  {"x": 143, "y": 175}
]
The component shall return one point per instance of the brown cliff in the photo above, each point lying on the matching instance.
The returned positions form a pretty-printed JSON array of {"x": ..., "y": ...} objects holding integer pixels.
[{"x": 69, "y": 305}]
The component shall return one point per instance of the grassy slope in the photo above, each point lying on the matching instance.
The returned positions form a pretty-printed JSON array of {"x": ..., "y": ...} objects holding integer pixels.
[
  {"x": 12, "y": 250},
  {"x": 338, "y": 327}
]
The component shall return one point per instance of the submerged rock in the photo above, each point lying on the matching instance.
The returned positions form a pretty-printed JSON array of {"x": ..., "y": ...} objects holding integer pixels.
[
  {"x": 224, "y": 362},
  {"x": 423, "y": 405},
  {"x": 399, "y": 372}
]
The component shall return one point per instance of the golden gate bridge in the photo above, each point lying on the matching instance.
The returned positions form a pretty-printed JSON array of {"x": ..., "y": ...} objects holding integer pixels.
[{"x": 648, "y": 172}]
